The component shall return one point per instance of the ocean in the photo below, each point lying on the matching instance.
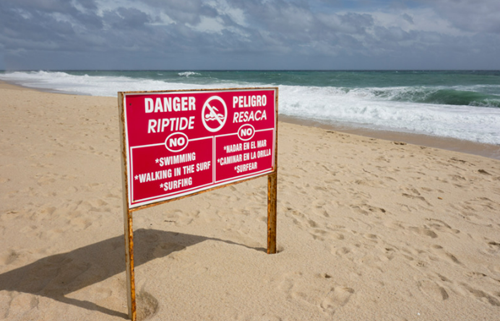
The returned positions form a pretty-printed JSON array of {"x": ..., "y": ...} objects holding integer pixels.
[{"x": 455, "y": 104}]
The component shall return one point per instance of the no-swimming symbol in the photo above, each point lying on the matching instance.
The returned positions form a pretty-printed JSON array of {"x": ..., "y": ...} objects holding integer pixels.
[{"x": 214, "y": 114}]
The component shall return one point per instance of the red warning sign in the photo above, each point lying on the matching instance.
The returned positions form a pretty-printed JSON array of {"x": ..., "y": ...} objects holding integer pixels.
[{"x": 179, "y": 143}]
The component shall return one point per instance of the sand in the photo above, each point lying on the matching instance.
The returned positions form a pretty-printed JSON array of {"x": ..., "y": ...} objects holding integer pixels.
[{"x": 368, "y": 229}]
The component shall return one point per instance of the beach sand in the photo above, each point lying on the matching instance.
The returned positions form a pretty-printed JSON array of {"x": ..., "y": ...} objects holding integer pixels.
[{"x": 368, "y": 229}]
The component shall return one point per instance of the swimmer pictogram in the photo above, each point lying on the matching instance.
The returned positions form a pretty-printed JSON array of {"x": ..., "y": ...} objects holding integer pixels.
[{"x": 214, "y": 114}]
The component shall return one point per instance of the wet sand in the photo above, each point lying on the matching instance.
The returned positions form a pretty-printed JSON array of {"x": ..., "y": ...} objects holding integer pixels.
[{"x": 453, "y": 144}]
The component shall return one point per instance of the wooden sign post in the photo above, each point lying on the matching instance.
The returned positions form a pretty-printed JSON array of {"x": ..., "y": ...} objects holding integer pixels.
[{"x": 175, "y": 144}]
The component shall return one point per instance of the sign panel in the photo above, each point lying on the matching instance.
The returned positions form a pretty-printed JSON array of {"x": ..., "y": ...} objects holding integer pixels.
[{"x": 182, "y": 142}]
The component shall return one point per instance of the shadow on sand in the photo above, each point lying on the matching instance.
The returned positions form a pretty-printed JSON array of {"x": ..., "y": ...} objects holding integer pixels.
[{"x": 57, "y": 275}]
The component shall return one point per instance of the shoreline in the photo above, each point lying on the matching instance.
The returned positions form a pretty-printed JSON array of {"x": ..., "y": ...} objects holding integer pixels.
[
  {"x": 451, "y": 144},
  {"x": 44, "y": 90}
]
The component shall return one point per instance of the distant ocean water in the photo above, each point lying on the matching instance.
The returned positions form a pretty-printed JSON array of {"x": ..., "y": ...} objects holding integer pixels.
[{"x": 456, "y": 104}]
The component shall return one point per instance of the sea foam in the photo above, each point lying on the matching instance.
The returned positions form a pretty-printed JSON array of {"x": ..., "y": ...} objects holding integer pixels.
[{"x": 404, "y": 109}]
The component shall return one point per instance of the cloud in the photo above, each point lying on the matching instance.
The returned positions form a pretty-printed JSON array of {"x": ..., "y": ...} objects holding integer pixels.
[
  {"x": 471, "y": 16},
  {"x": 296, "y": 31},
  {"x": 126, "y": 18},
  {"x": 408, "y": 18}
]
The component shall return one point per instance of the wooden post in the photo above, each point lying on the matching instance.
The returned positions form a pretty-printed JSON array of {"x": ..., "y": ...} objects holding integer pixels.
[
  {"x": 272, "y": 188},
  {"x": 127, "y": 220},
  {"x": 272, "y": 192},
  {"x": 129, "y": 257}
]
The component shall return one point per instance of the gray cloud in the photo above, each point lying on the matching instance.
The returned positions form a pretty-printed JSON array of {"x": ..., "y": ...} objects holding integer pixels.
[
  {"x": 126, "y": 18},
  {"x": 246, "y": 33},
  {"x": 408, "y": 18},
  {"x": 473, "y": 16}
]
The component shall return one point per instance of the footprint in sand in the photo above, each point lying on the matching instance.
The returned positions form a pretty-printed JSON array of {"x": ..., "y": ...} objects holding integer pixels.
[
  {"x": 439, "y": 250},
  {"x": 441, "y": 226},
  {"x": 147, "y": 305},
  {"x": 423, "y": 231},
  {"x": 336, "y": 298},
  {"x": 494, "y": 246},
  {"x": 416, "y": 197},
  {"x": 433, "y": 290},
  {"x": 482, "y": 296}
]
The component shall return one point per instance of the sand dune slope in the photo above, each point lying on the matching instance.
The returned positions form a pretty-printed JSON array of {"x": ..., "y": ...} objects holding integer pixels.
[{"x": 367, "y": 229}]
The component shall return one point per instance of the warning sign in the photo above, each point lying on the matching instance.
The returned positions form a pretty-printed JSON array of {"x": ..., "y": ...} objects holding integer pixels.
[{"x": 179, "y": 143}]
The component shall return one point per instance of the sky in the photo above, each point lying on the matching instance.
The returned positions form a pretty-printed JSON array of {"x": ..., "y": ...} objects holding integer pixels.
[{"x": 249, "y": 34}]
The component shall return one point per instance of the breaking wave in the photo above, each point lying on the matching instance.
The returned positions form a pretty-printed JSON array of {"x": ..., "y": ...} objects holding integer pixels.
[
  {"x": 468, "y": 112},
  {"x": 188, "y": 73}
]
